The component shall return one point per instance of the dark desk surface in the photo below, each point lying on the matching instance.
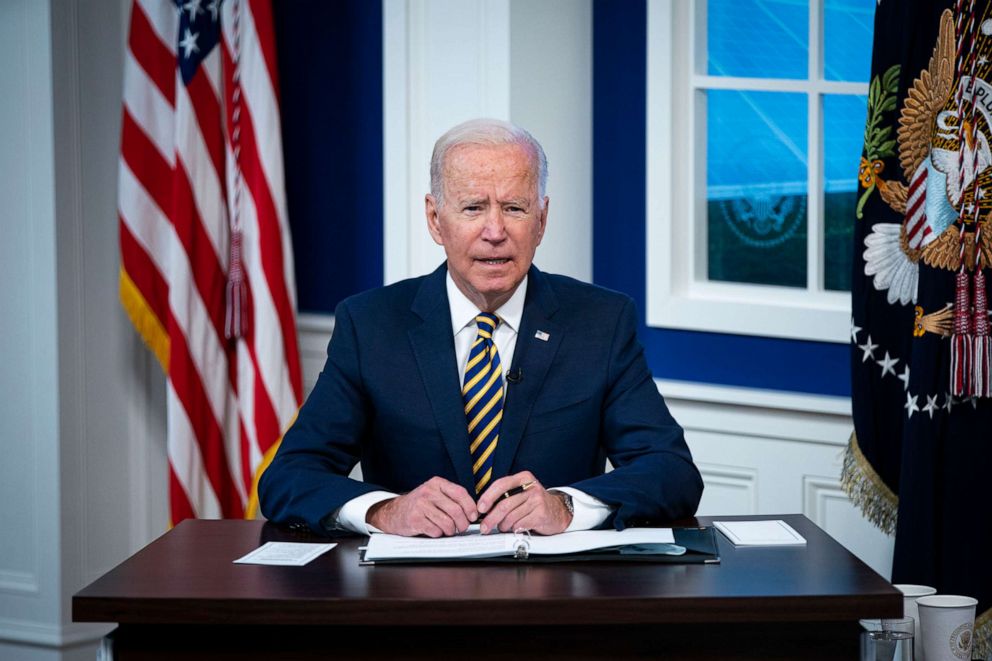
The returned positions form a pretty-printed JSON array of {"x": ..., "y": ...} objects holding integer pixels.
[{"x": 187, "y": 577}]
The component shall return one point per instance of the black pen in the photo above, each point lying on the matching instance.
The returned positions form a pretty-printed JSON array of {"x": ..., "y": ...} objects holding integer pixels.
[{"x": 513, "y": 492}]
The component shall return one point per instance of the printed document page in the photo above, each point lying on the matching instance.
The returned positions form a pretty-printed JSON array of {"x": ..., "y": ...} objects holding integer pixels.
[{"x": 290, "y": 554}]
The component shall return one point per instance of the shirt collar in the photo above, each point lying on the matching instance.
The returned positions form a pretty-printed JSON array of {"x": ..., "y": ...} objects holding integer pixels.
[{"x": 464, "y": 311}]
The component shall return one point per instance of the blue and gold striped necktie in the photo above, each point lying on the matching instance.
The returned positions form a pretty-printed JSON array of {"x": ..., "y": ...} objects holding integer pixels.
[{"x": 483, "y": 397}]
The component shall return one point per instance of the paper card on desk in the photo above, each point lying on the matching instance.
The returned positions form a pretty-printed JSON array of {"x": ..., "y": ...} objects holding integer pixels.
[
  {"x": 285, "y": 554},
  {"x": 760, "y": 533}
]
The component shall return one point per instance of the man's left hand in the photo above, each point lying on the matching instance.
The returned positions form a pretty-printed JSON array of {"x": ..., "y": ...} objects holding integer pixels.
[{"x": 535, "y": 509}]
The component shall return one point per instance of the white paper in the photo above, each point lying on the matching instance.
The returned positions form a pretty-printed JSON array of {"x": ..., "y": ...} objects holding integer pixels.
[
  {"x": 383, "y": 546},
  {"x": 286, "y": 554},
  {"x": 760, "y": 533},
  {"x": 587, "y": 540}
]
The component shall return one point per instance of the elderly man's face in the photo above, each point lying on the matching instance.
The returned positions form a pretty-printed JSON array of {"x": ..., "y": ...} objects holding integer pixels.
[{"x": 491, "y": 222}]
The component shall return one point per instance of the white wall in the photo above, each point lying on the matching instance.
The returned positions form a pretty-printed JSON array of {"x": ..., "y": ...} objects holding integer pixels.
[
  {"x": 447, "y": 61},
  {"x": 551, "y": 96}
]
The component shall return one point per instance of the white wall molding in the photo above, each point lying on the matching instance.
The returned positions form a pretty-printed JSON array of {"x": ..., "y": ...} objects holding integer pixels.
[
  {"x": 817, "y": 492},
  {"x": 755, "y": 397},
  {"x": 51, "y": 635},
  {"x": 737, "y": 482},
  {"x": 757, "y": 413},
  {"x": 18, "y": 582}
]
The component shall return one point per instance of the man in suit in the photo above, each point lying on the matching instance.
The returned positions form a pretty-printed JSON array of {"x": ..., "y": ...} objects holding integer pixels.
[{"x": 416, "y": 384}]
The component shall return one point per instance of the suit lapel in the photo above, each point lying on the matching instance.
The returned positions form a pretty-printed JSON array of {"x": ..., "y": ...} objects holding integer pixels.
[
  {"x": 434, "y": 349},
  {"x": 532, "y": 357}
]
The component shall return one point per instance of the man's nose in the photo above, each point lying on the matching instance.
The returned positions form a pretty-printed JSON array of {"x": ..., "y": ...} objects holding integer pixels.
[{"x": 495, "y": 227}]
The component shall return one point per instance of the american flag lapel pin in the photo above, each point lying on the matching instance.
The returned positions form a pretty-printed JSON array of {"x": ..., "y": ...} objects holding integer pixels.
[{"x": 541, "y": 335}]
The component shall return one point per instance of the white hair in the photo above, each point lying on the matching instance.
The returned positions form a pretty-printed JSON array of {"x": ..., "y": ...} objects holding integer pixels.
[{"x": 486, "y": 132}]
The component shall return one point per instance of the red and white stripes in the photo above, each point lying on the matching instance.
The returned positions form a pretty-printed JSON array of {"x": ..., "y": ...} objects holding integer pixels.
[
  {"x": 917, "y": 230},
  {"x": 229, "y": 400}
]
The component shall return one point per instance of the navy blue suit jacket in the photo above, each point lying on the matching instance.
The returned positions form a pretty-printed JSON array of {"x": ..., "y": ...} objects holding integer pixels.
[{"x": 389, "y": 396}]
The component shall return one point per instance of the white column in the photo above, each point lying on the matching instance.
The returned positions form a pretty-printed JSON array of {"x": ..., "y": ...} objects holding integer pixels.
[
  {"x": 81, "y": 439},
  {"x": 30, "y": 571}
]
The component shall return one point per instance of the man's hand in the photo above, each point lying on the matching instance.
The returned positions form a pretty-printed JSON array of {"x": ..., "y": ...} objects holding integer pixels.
[
  {"x": 436, "y": 508},
  {"x": 535, "y": 509}
]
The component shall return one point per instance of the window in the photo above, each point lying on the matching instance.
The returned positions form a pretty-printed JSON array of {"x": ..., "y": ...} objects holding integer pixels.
[{"x": 756, "y": 111}]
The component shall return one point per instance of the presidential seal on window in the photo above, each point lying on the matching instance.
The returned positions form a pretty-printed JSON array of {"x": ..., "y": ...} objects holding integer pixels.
[{"x": 764, "y": 218}]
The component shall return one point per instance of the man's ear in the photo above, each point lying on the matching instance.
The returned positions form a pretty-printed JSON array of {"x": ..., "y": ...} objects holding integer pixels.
[
  {"x": 544, "y": 220},
  {"x": 433, "y": 220}
]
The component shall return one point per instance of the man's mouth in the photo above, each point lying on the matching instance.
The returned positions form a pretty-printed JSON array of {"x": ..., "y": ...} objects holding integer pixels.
[{"x": 495, "y": 262}]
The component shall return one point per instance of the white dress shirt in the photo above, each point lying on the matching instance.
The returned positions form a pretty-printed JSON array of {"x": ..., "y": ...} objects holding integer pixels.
[{"x": 589, "y": 511}]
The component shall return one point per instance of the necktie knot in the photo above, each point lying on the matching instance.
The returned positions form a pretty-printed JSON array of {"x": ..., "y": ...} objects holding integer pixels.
[{"x": 487, "y": 323}]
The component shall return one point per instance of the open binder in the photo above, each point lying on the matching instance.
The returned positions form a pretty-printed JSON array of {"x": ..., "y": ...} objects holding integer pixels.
[{"x": 654, "y": 545}]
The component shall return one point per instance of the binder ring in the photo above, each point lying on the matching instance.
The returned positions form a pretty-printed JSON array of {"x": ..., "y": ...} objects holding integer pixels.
[{"x": 522, "y": 546}]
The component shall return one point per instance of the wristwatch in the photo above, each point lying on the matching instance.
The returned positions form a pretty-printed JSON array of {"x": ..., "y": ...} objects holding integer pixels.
[{"x": 566, "y": 500}]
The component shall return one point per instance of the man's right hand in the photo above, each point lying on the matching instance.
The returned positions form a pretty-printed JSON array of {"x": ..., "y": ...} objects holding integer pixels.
[{"x": 436, "y": 508}]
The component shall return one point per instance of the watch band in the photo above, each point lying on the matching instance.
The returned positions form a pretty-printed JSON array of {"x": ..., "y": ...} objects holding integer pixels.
[{"x": 566, "y": 500}]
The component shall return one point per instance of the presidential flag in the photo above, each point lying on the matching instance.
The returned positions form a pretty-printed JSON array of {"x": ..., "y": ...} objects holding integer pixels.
[
  {"x": 920, "y": 352},
  {"x": 206, "y": 264}
]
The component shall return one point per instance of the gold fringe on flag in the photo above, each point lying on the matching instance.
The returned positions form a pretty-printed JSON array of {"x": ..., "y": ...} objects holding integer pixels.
[
  {"x": 867, "y": 490},
  {"x": 251, "y": 510},
  {"x": 982, "y": 648},
  {"x": 148, "y": 325}
]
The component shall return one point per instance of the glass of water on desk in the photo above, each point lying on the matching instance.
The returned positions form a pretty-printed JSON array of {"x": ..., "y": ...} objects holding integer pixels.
[{"x": 887, "y": 640}]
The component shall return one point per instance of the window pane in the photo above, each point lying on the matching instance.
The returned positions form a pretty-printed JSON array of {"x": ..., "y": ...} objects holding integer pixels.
[
  {"x": 847, "y": 30},
  {"x": 758, "y": 38},
  {"x": 756, "y": 187},
  {"x": 843, "y": 128}
]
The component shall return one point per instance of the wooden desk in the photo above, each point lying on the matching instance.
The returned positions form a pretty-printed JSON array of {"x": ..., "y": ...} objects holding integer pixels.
[{"x": 182, "y": 595}]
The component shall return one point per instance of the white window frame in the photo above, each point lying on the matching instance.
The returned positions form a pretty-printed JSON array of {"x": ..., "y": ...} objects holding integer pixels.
[{"x": 678, "y": 293}]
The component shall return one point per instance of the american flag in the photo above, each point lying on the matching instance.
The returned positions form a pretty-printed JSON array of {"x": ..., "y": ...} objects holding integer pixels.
[{"x": 206, "y": 261}]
